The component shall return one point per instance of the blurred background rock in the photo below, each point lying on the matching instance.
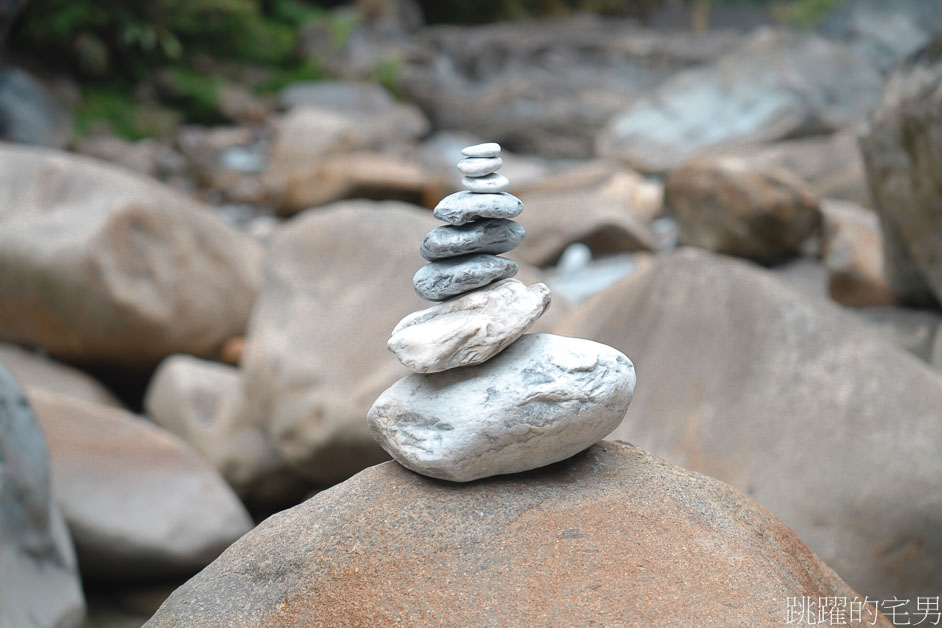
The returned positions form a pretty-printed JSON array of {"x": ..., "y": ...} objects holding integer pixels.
[{"x": 208, "y": 211}]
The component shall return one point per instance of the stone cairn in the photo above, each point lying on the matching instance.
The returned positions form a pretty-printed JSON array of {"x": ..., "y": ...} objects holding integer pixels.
[{"x": 485, "y": 399}]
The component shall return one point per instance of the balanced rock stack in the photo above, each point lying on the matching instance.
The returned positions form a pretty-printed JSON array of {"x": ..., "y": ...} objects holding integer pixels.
[{"x": 485, "y": 399}]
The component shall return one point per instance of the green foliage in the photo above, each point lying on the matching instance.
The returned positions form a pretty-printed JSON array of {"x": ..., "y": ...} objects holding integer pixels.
[
  {"x": 806, "y": 13},
  {"x": 111, "y": 107}
]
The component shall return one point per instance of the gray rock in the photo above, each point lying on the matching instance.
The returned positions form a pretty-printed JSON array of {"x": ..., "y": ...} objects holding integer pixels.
[
  {"x": 488, "y": 184},
  {"x": 779, "y": 84},
  {"x": 139, "y": 502},
  {"x": 470, "y": 329},
  {"x": 448, "y": 278},
  {"x": 542, "y": 400},
  {"x": 462, "y": 207},
  {"x": 904, "y": 166},
  {"x": 30, "y": 112},
  {"x": 479, "y": 166},
  {"x": 487, "y": 149},
  {"x": 495, "y": 235},
  {"x": 39, "y": 581}
]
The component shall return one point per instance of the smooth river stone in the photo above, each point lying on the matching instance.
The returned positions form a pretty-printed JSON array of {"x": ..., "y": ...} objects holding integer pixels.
[
  {"x": 492, "y": 235},
  {"x": 462, "y": 207},
  {"x": 543, "y": 399},
  {"x": 489, "y": 184},
  {"x": 488, "y": 149},
  {"x": 470, "y": 329},
  {"x": 479, "y": 166},
  {"x": 448, "y": 278}
]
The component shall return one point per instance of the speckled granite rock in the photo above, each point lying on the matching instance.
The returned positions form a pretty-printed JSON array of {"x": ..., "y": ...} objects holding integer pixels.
[{"x": 612, "y": 537}]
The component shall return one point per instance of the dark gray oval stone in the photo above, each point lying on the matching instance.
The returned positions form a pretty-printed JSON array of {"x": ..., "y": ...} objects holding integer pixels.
[
  {"x": 491, "y": 235},
  {"x": 442, "y": 280}
]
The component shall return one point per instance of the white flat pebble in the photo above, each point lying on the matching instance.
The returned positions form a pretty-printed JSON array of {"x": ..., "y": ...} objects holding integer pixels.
[
  {"x": 479, "y": 166},
  {"x": 488, "y": 149}
]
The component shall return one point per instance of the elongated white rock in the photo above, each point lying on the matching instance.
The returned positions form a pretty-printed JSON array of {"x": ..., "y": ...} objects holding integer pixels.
[
  {"x": 449, "y": 278},
  {"x": 470, "y": 329},
  {"x": 488, "y": 184},
  {"x": 479, "y": 166},
  {"x": 541, "y": 400},
  {"x": 488, "y": 149},
  {"x": 462, "y": 207}
]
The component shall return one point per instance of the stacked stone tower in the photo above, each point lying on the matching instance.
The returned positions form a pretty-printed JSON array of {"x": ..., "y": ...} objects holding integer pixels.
[{"x": 486, "y": 399}]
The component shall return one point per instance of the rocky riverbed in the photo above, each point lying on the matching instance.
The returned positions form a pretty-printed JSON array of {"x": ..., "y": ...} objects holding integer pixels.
[{"x": 212, "y": 342}]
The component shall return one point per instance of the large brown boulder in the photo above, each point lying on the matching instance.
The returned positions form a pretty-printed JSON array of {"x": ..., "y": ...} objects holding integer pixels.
[
  {"x": 790, "y": 399},
  {"x": 612, "y": 536},
  {"x": 140, "y": 503},
  {"x": 738, "y": 207},
  {"x": 98, "y": 264},
  {"x": 904, "y": 167}
]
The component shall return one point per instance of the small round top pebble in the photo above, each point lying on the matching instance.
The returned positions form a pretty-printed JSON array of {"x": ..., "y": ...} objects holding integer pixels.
[{"x": 488, "y": 149}]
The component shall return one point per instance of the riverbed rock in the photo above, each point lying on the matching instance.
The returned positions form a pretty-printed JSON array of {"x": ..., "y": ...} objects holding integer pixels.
[
  {"x": 39, "y": 580},
  {"x": 312, "y": 135},
  {"x": 904, "y": 167},
  {"x": 470, "y": 329},
  {"x": 461, "y": 207},
  {"x": 490, "y": 235},
  {"x": 101, "y": 265},
  {"x": 852, "y": 249},
  {"x": 791, "y": 399},
  {"x": 612, "y": 536},
  {"x": 38, "y": 371},
  {"x": 733, "y": 206},
  {"x": 524, "y": 83},
  {"x": 450, "y": 277},
  {"x": 542, "y": 400},
  {"x": 140, "y": 503},
  {"x": 779, "y": 84}
]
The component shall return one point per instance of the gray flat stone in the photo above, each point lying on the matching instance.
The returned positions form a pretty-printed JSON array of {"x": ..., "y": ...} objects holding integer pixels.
[
  {"x": 470, "y": 329},
  {"x": 479, "y": 166},
  {"x": 491, "y": 235},
  {"x": 448, "y": 278},
  {"x": 488, "y": 184},
  {"x": 488, "y": 149},
  {"x": 543, "y": 399},
  {"x": 462, "y": 207}
]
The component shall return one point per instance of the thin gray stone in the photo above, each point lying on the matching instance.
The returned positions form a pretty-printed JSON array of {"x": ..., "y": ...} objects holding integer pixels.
[
  {"x": 488, "y": 184},
  {"x": 488, "y": 149},
  {"x": 479, "y": 166},
  {"x": 543, "y": 399},
  {"x": 491, "y": 235},
  {"x": 448, "y": 278},
  {"x": 462, "y": 207}
]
